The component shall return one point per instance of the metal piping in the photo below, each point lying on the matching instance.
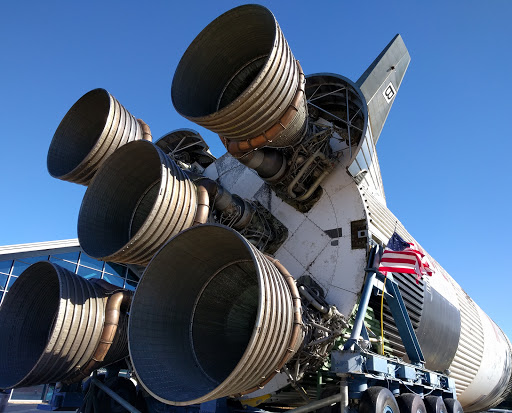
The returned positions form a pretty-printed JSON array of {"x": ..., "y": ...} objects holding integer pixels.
[
  {"x": 146, "y": 131},
  {"x": 112, "y": 316},
  {"x": 313, "y": 301},
  {"x": 269, "y": 163},
  {"x": 115, "y": 396},
  {"x": 302, "y": 171},
  {"x": 335, "y": 398},
  {"x": 315, "y": 185},
  {"x": 203, "y": 205},
  {"x": 222, "y": 200}
]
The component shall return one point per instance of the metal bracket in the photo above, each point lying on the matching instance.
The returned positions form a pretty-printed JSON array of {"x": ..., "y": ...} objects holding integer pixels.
[{"x": 402, "y": 320}]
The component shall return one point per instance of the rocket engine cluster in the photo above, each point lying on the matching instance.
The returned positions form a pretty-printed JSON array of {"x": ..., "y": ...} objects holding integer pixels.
[{"x": 252, "y": 263}]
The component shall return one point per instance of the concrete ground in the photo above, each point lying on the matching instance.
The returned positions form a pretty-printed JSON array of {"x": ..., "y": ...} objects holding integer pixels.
[{"x": 20, "y": 408}]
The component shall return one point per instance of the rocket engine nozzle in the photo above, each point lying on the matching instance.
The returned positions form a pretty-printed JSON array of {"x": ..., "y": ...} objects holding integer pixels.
[
  {"x": 239, "y": 79},
  {"x": 59, "y": 326},
  {"x": 138, "y": 200},
  {"x": 95, "y": 126},
  {"x": 211, "y": 317}
]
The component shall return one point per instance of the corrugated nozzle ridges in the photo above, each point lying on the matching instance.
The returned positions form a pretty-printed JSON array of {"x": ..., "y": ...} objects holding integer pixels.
[
  {"x": 55, "y": 319},
  {"x": 95, "y": 126},
  {"x": 239, "y": 79},
  {"x": 211, "y": 317},
  {"x": 138, "y": 200}
]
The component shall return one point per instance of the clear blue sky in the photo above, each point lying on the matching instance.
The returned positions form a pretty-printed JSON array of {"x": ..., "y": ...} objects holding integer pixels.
[{"x": 445, "y": 150}]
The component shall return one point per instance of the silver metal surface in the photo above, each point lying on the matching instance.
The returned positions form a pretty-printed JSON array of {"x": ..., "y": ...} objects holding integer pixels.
[
  {"x": 238, "y": 78},
  {"x": 211, "y": 317},
  {"x": 138, "y": 200},
  {"x": 55, "y": 319},
  {"x": 381, "y": 81},
  {"x": 465, "y": 364},
  {"x": 95, "y": 126},
  {"x": 465, "y": 342}
]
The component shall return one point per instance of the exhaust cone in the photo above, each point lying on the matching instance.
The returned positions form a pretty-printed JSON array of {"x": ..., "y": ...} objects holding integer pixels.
[
  {"x": 95, "y": 126},
  {"x": 239, "y": 79},
  {"x": 52, "y": 322},
  {"x": 211, "y": 317},
  {"x": 138, "y": 200}
]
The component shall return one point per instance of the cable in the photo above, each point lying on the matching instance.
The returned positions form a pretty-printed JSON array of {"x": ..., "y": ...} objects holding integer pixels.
[{"x": 382, "y": 312}]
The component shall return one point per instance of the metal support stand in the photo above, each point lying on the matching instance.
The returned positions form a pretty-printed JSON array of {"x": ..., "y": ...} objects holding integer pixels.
[
  {"x": 402, "y": 321},
  {"x": 360, "y": 368},
  {"x": 344, "y": 394},
  {"x": 115, "y": 396},
  {"x": 318, "y": 404},
  {"x": 363, "y": 304},
  {"x": 397, "y": 307}
]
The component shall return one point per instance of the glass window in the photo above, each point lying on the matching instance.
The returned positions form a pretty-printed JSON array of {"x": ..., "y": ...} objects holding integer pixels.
[
  {"x": 88, "y": 273},
  {"x": 11, "y": 282},
  {"x": 353, "y": 168},
  {"x": 3, "y": 281},
  {"x": 32, "y": 260},
  {"x": 90, "y": 262},
  {"x": 132, "y": 276},
  {"x": 5, "y": 266},
  {"x": 65, "y": 264},
  {"x": 130, "y": 285},
  {"x": 1, "y": 295},
  {"x": 116, "y": 269},
  {"x": 19, "y": 267},
  {"x": 70, "y": 256},
  {"x": 366, "y": 152},
  {"x": 112, "y": 279},
  {"x": 361, "y": 161}
]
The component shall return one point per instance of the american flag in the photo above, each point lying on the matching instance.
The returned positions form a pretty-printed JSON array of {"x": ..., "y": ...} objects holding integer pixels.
[{"x": 404, "y": 257}]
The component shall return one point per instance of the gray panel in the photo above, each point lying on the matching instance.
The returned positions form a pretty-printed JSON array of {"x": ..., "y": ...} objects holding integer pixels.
[
  {"x": 439, "y": 330},
  {"x": 388, "y": 67}
]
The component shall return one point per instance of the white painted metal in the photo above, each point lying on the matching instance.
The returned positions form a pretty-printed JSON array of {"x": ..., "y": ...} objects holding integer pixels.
[
  {"x": 494, "y": 365},
  {"x": 308, "y": 250},
  {"x": 365, "y": 164},
  {"x": 339, "y": 269},
  {"x": 9, "y": 252},
  {"x": 469, "y": 352}
]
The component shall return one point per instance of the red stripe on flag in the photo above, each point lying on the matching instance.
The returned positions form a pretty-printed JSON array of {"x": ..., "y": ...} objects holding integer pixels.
[
  {"x": 404, "y": 252},
  {"x": 398, "y": 269},
  {"x": 400, "y": 260}
]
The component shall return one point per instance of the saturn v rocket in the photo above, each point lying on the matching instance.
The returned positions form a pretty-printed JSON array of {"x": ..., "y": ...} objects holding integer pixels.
[{"x": 230, "y": 247}]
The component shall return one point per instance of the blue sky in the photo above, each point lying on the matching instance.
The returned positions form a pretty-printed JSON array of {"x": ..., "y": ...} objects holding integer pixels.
[{"x": 444, "y": 152}]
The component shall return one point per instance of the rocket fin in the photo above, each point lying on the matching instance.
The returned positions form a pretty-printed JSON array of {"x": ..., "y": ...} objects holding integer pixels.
[{"x": 381, "y": 81}]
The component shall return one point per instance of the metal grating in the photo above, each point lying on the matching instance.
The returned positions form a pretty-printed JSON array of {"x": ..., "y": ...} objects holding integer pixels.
[
  {"x": 467, "y": 360},
  {"x": 413, "y": 295}
]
